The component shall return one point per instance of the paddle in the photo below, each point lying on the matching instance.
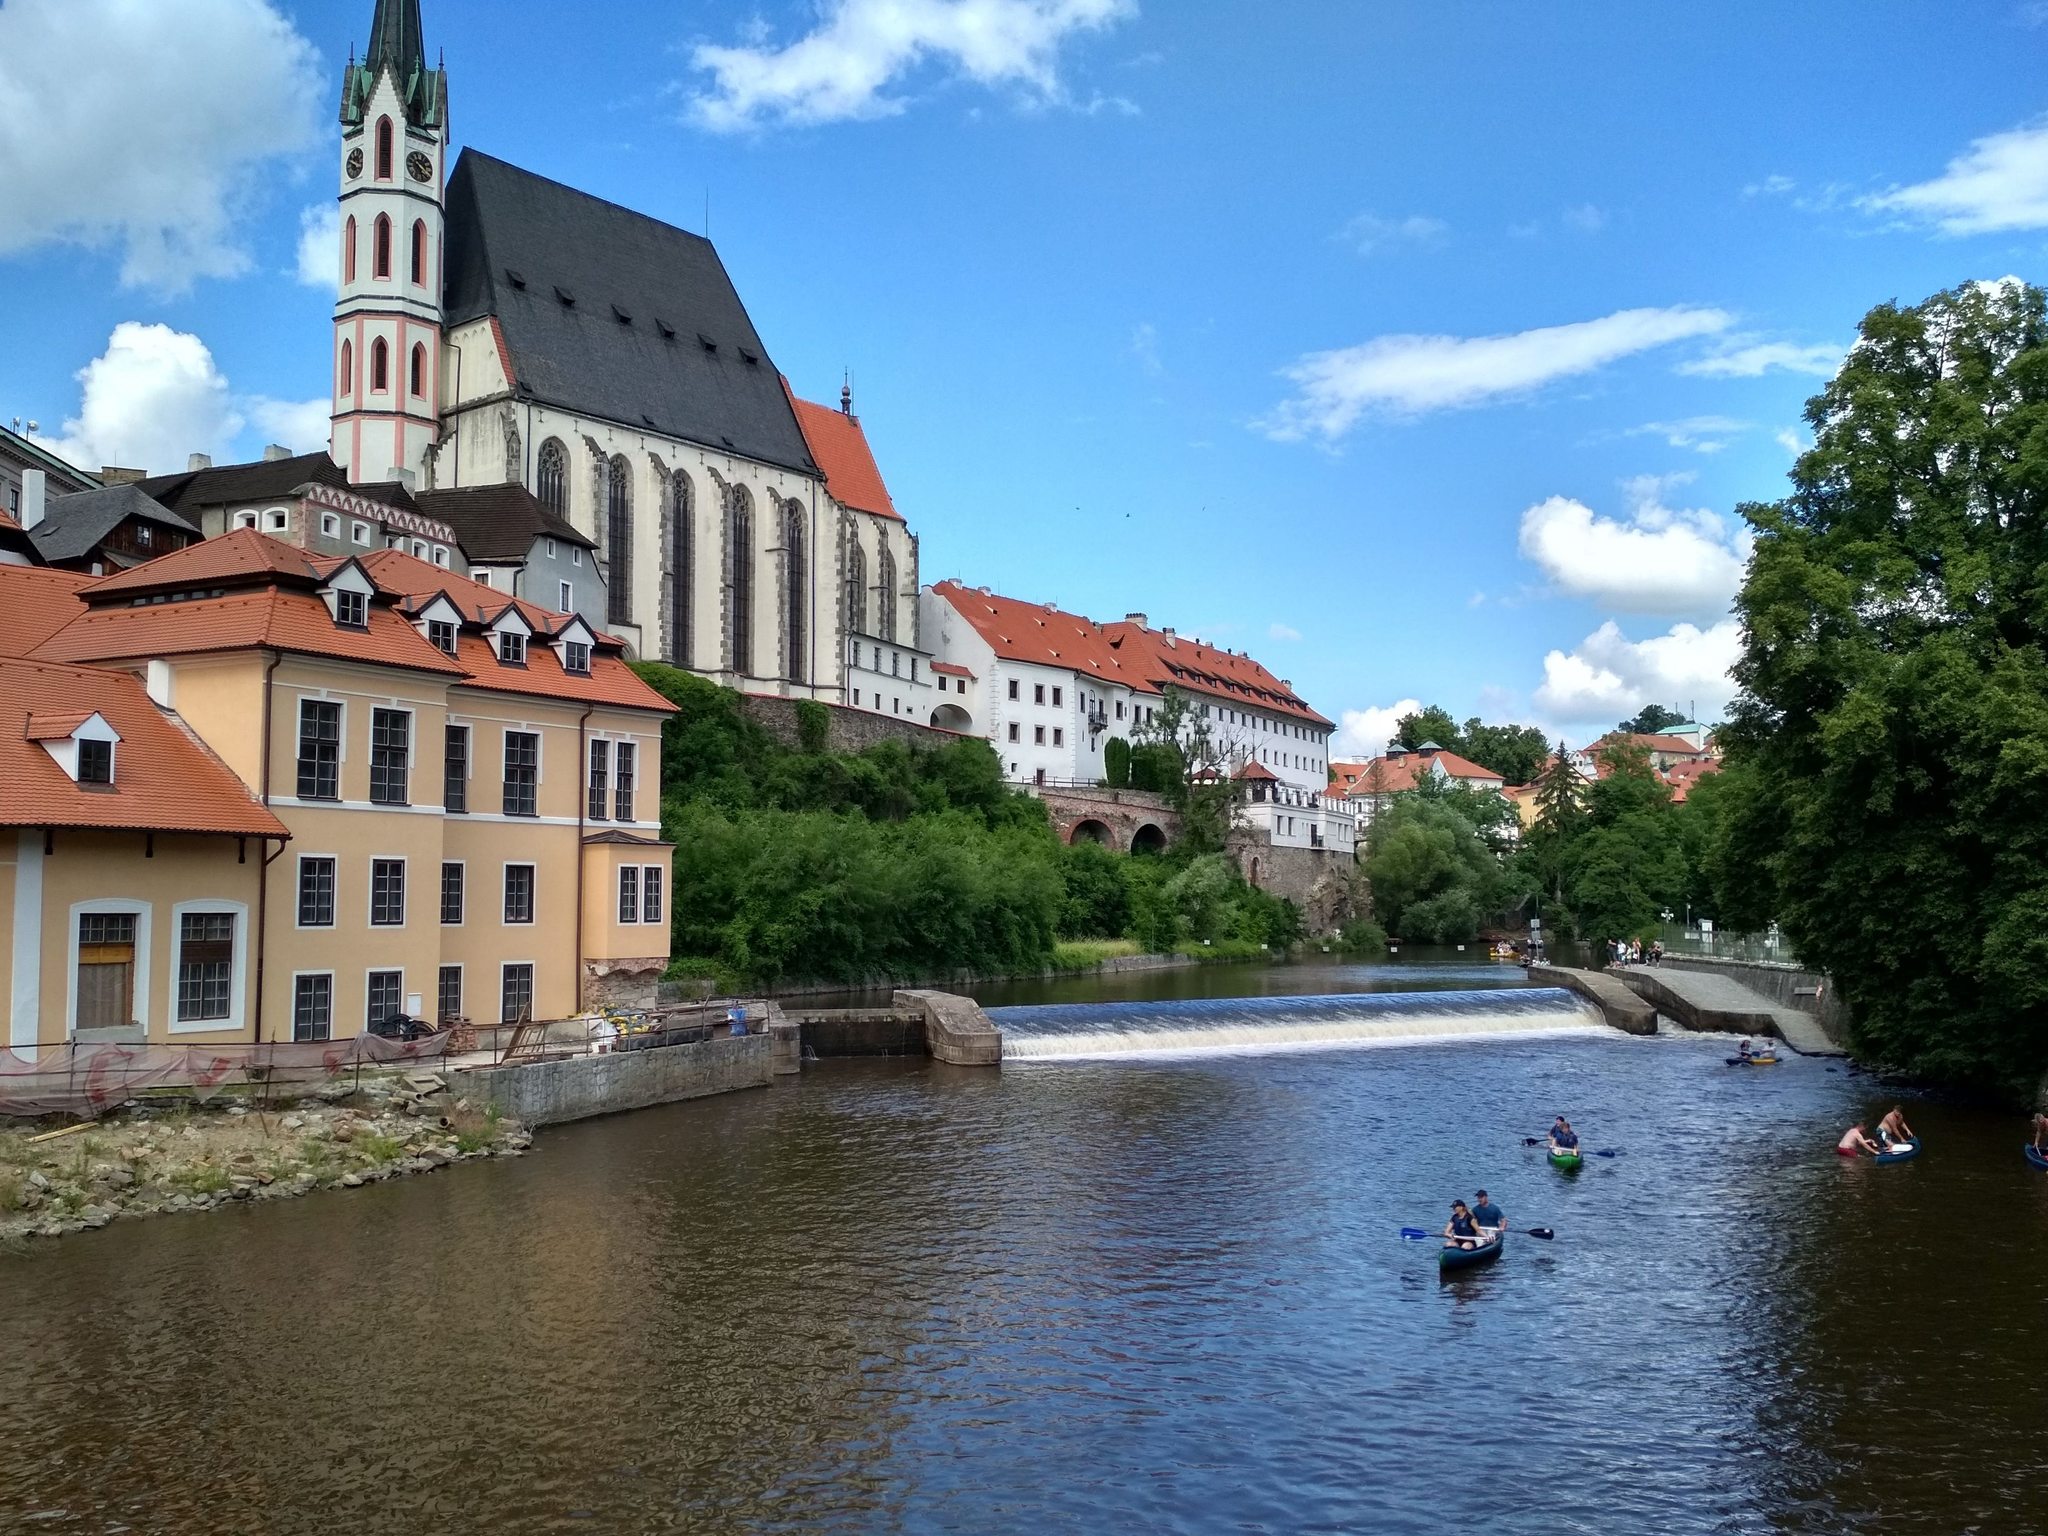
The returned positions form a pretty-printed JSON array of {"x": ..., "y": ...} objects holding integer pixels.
[
  {"x": 1416, "y": 1234},
  {"x": 1544, "y": 1141}
]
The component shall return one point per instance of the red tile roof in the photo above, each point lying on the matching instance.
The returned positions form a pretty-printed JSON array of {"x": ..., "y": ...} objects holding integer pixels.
[
  {"x": 1256, "y": 770},
  {"x": 951, "y": 669},
  {"x": 1649, "y": 743},
  {"x": 35, "y": 602},
  {"x": 1392, "y": 774},
  {"x": 841, "y": 450},
  {"x": 243, "y": 556},
  {"x": 1204, "y": 669},
  {"x": 295, "y": 621},
  {"x": 55, "y": 725},
  {"x": 1042, "y": 634},
  {"x": 1683, "y": 776},
  {"x": 165, "y": 780}
]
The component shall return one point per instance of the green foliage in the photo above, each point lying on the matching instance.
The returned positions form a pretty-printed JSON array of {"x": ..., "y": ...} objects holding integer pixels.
[
  {"x": 1650, "y": 720},
  {"x": 1086, "y": 954},
  {"x": 1155, "y": 767},
  {"x": 1894, "y": 713},
  {"x": 1515, "y": 752},
  {"x": 1097, "y": 899},
  {"x": 1188, "y": 766},
  {"x": 1116, "y": 763},
  {"x": 1361, "y": 936},
  {"x": 813, "y": 724},
  {"x": 1434, "y": 878}
]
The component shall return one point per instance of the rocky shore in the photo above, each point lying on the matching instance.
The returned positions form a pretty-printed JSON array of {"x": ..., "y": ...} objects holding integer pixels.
[{"x": 160, "y": 1157}]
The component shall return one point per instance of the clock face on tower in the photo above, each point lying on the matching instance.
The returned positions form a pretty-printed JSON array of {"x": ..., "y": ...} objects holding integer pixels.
[
  {"x": 355, "y": 164},
  {"x": 419, "y": 167}
]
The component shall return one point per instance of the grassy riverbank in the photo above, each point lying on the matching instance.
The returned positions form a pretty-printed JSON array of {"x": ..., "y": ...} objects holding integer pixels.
[{"x": 165, "y": 1157}]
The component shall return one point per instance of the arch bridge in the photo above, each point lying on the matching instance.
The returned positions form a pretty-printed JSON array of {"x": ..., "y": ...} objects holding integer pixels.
[{"x": 1126, "y": 820}]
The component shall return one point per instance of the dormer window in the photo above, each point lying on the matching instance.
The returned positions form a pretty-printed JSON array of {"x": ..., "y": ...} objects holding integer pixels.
[
  {"x": 351, "y": 609},
  {"x": 95, "y": 762},
  {"x": 441, "y": 634},
  {"x": 576, "y": 658},
  {"x": 511, "y": 647}
]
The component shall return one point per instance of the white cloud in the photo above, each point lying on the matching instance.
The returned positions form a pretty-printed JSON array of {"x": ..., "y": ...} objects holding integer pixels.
[
  {"x": 137, "y": 125},
  {"x": 156, "y": 396},
  {"x": 1702, "y": 434},
  {"x": 1792, "y": 440},
  {"x": 1654, "y": 560},
  {"x": 1586, "y": 219},
  {"x": 319, "y": 264},
  {"x": 1145, "y": 347},
  {"x": 1369, "y": 232},
  {"x": 1609, "y": 676},
  {"x": 1277, "y": 631},
  {"x": 1411, "y": 375},
  {"x": 2000, "y": 182},
  {"x": 845, "y": 66},
  {"x": 1748, "y": 359},
  {"x": 1770, "y": 186},
  {"x": 1364, "y": 733}
]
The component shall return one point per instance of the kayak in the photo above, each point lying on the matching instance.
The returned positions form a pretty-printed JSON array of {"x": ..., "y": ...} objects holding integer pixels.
[
  {"x": 2036, "y": 1158},
  {"x": 1568, "y": 1161},
  {"x": 1466, "y": 1258},
  {"x": 1752, "y": 1061},
  {"x": 1898, "y": 1152}
]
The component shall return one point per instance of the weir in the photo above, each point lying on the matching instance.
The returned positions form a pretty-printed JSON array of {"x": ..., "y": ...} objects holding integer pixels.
[{"x": 1094, "y": 1031}]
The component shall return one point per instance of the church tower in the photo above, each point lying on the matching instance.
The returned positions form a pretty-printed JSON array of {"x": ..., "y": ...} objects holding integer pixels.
[{"x": 387, "y": 319}]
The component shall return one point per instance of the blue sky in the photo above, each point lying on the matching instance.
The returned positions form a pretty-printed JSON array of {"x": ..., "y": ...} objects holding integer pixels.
[{"x": 1423, "y": 351}]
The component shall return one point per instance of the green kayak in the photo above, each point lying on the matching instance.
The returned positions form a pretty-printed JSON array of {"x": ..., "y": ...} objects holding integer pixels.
[{"x": 1568, "y": 1161}]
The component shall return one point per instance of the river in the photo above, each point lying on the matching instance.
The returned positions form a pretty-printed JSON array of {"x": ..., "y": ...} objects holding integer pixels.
[{"x": 1148, "y": 1292}]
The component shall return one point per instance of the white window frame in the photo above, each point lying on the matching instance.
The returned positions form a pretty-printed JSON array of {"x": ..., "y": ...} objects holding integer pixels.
[
  {"x": 277, "y": 520},
  {"x": 404, "y": 896},
  {"x": 552, "y": 554},
  {"x": 237, "y": 976},
  {"x": 245, "y": 519},
  {"x": 461, "y": 980},
  {"x": 532, "y": 895},
  {"x": 619, "y": 896},
  {"x": 660, "y": 873},
  {"x": 141, "y": 912},
  {"x": 330, "y": 525},
  {"x": 566, "y": 592},
  {"x": 358, "y": 533},
  {"x": 333, "y": 1001},
  {"x": 506, "y": 965},
  {"x": 299, "y": 884},
  {"x": 440, "y": 894},
  {"x": 368, "y": 972}
]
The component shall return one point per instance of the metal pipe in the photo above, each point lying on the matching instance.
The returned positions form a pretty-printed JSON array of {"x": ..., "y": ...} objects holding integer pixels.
[
  {"x": 582, "y": 815},
  {"x": 263, "y": 870}
]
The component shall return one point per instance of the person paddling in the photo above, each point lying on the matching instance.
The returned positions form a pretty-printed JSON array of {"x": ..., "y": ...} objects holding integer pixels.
[
  {"x": 1893, "y": 1128},
  {"x": 2041, "y": 1134},
  {"x": 1491, "y": 1218},
  {"x": 1854, "y": 1143},
  {"x": 1562, "y": 1137},
  {"x": 1462, "y": 1230}
]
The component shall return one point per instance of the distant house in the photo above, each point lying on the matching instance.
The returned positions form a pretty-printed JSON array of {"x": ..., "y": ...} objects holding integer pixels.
[
  {"x": 16, "y": 547},
  {"x": 517, "y": 546},
  {"x": 19, "y": 458},
  {"x": 1367, "y": 787},
  {"x": 1687, "y": 744},
  {"x": 108, "y": 528}
]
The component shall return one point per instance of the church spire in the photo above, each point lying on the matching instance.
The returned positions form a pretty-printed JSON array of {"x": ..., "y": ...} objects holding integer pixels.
[
  {"x": 397, "y": 44},
  {"x": 397, "y": 39}
]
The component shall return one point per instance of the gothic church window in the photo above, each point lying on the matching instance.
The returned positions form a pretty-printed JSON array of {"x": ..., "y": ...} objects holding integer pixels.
[
  {"x": 383, "y": 149},
  {"x": 348, "y": 250},
  {"x": 739, "y": 543},
  {"x": 856, "y": 589},
  {"x": 682, "y": 566},
  {"x": 552, "y": 481},
  {"x": 419, "y": 253},
  {"x": 380, "y": 366},
  {"x": 618, "y": 542},
  {"x": 885, "y": 571},
  {"x": 794, "y": 577},
  {"x": 348, "y": 368},
  {"x": 380, "y": 262},
  {"x": 418, "y": 380}
]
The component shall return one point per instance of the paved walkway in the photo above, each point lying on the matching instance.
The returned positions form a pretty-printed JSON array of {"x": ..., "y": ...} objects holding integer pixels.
[{"x": 1705, "y": 1000}]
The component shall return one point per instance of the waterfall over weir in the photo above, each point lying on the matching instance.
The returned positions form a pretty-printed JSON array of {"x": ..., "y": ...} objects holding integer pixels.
[{"x": 1084, "y": 1031}]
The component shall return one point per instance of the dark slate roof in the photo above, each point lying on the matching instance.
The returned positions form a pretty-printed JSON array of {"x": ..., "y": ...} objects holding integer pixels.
[
  {"x": 609, "y": 313},
  {"x": 72, "y": 525},
  {"x": 497, "y": 523},
  {"x": 264, "y": 480}
]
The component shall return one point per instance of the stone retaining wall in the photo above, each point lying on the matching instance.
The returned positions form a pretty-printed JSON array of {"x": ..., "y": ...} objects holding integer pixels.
[
  {"x": 847, "y": 730},
  {"x": 956, "y": 1030},
  {"x": 1811, "y": 992},
  {"x": 579, "y": 1087}
]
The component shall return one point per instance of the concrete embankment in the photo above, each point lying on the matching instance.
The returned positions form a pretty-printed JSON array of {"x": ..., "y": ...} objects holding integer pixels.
[
  {"x": 941, "y": 1025},
  {"x": 579, "y": 1087},
  {"x": 1708, "y": 1000},
  {"x": 1617, "y": 1004}
]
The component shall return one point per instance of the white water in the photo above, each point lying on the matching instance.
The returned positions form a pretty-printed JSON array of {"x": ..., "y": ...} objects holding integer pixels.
[{"x": 1095, "y": 1031}]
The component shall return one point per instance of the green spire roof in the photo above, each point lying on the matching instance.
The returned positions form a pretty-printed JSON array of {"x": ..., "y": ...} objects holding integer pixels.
[
  {"x": 396, "y": 43},
  {"x": 396, "y": 39}
]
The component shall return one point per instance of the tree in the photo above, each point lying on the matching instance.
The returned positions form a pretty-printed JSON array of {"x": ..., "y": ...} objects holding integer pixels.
[
  {"x": 1434, "y": 879},
  {"x": 1651, "y": 720},
  {"x": 1116, "y": 763},
  {"x": 1182, "y": 733},
  {"x": 1432, "y": 724},
  {"x": 1514, "y": 752},
  {"x": 1894, "y": 704}
]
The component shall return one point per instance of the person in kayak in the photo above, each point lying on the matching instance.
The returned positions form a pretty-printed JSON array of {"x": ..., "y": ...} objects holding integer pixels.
[
  {"x": 1854, "y": 1143},
  {"x": 2041, "y": 1134},
  {"x": 1562, "y": 1137},
  {"x": 1893, "y": 1127},
  {"x": 1462, "y": 1230},
  {"x": 1491, "y": 1218}
]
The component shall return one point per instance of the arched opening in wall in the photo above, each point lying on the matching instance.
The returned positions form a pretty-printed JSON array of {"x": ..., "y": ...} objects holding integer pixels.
[
  {"x": 794, "y": 575},
  {"x": 348, "y": 249},
  {"x": 951, "y": 717},
  {"x": 682, "y": 565},
  {"x": 739, "y": 576},
  {"x": 1148, "y": 839},
  {"x": 618, "y": 543},
  {"x": 348, "y": 367},
  {"x": 380, "y": 258},
  {"x": 885, "y": 580},
  {"x": 417, "y": 382},
  {"x": 383, "y": 149},
  {"x": 380, "y": 366},
  {"x": 1092, "y": 831},
  {"x": 419, "y": 253},
  {"x": 856, "y": 587},
  {"x": 551, "y": 478}
]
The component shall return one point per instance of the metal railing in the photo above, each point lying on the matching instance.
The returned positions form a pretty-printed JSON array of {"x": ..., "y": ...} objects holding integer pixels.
[{"x": 1766, "y": 948}]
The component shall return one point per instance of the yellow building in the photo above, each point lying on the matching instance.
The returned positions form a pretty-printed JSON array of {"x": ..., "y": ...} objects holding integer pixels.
[{"x": 469, "y": 784}]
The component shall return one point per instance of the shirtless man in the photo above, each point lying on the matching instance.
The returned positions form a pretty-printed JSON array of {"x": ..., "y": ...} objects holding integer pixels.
[
  {"x": 1893, "y": 1127},
  {"x": 2041, "y": 1133},
  {"x": 1854, "y": 1143}
]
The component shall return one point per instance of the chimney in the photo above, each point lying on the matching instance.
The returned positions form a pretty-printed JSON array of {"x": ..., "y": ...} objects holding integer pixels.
[
  {"x": 34, "y": 497},
  {"x": 198, "y": 461},
  {"x": 1135, "y": 618},
  {"x": 114, "y": 474},
  {"x": 272, "y": 452}
]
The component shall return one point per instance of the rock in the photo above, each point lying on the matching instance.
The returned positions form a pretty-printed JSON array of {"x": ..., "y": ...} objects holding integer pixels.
[
  {"x": 424, "y": 1082},
  {"x": 332, "y": 1093},
  {"x": 244, "y": 1181},
  {"x": 95, "y": 1216},
  {"x": 243, "y": 1159},
  {"x": 119, "y": 1178},
  {"x": 179, "y": 1203},
  {"x": 351, "y": 1181},
  {"x": 238, "y": 1110},
  {"x": 50, "y": 1229},
  {"x": 292, "y": 1122},
  {"x": 37, "y": 1181}
]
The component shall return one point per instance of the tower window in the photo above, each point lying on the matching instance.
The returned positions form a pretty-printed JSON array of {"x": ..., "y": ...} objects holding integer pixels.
[
  {"x": 383, "y": 149},
  {"x": 419, "y": 368},
  {"x": 419, "y": 253},
  {"x": 348, "y": 367},
  {"x": 380, "y": 366},
  {"x": 348, "y": 250},
  {"x": 380, "y": 265}
]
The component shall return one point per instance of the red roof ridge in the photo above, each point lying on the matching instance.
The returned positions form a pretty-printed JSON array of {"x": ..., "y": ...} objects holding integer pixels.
[{"x": 839, "y": 445}]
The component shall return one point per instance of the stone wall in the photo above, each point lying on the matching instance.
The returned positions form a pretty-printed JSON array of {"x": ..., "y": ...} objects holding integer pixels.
[
  {"x": 578, "y": 1087},
  {"x": 956, "y": 1030},
  {"x": 622, "y": 983},
  {"x": 1325, "y": 883},
  {"x": 1788, "y": 986},
  {"x": 1618, "y": 1005},
  {"x": 847, "y": 730}
]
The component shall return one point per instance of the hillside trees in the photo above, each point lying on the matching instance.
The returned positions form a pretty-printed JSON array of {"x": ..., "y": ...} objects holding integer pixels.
[{"x": 1515, "y": 752}]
